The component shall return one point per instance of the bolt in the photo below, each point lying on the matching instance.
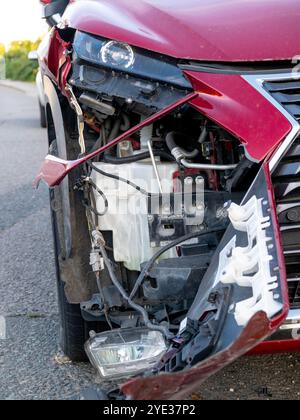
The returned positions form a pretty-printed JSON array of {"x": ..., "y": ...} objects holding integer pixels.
[
  {"x": 200, "y": 206},
  {"x": 188, "y": 180},
  {"x": 222, "y": 213},
  {"x": 92, "y": 334},
  {"x": 212, "y": 298},
  {"x": 199, "y": 180}
]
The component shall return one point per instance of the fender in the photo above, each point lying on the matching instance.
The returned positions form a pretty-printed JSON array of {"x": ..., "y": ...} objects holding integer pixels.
[
  {"x": 78, "y": 288},
  {"x": 53, "y": 106}
]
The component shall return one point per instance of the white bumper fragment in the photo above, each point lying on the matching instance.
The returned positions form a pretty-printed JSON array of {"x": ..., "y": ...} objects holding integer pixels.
[{"x": 250, "y": 266}]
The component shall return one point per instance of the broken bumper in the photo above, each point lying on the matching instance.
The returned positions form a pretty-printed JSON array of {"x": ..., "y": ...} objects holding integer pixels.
[{"x": 250, "y": 261}]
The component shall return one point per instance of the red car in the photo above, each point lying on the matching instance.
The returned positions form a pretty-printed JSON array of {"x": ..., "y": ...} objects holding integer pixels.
[{"x": 174, "y": 175}]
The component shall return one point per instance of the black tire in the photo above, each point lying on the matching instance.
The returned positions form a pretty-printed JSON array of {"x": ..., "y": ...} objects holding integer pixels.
[
  {"x": 43, "y": 119},
  {"x": 74, "y": 330}
]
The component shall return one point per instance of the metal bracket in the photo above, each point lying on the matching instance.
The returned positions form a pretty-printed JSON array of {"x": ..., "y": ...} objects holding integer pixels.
[{"x": 80, "y": 118}]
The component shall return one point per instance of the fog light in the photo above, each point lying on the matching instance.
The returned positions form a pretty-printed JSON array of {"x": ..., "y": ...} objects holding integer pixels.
[{"x": 125, "y": 352}]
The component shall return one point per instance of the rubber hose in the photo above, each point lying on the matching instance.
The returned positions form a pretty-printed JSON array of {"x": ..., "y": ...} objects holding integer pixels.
[
  {"x": 135, "y": 158},
  {"x": 171, "y": 143}
]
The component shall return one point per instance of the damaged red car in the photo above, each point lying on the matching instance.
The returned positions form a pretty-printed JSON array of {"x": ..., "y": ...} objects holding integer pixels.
[{"x": 174, "y": 175}]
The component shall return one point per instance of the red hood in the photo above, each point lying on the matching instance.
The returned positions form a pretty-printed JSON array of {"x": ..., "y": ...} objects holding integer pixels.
[{"x": 207, "y": 30}]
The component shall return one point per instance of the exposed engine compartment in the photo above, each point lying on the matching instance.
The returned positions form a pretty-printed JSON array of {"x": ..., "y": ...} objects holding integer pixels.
[
  {"x": 171, "y": 179},
  {"x": 162, "y": 159}
]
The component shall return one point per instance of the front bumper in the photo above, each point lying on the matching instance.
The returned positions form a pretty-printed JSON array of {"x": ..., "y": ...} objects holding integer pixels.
[
  {"x": 285, "y": 339},
  {"x": 241, "y": 330}
]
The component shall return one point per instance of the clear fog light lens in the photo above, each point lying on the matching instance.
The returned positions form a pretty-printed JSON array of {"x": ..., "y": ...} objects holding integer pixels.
[{"x": 125, "y": 352}]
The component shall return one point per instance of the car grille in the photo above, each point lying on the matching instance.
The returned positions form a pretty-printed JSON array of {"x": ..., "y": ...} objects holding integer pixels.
[
  {"x": 287, "y": 93},
  {"x": 286, "y": 180}
]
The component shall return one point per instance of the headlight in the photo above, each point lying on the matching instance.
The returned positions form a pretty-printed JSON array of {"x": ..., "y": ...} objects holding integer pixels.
[
  {"x": 122, "y": 57},
  {"x": 125, "y": 352},
  {"x": 116, "y": 54}
]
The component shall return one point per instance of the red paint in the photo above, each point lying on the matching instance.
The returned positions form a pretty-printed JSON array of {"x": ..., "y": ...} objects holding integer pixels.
[
  {"x": 259, "y": 328},
  {"x": 180, "y": 385},
  {"x": 206, "y": 30},
  {"x": 57, "y": 61},
  {"x": 53, "y": 171},
  {"x": 276, "y": 346},
  {"x": 209, "y": 30},
  {"x": 234, "y": 104}
]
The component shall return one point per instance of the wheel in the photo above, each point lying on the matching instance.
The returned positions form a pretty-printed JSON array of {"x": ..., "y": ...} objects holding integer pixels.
[
  {"x": 43, "y": 120},
  {"x": 74, "y": 330}
]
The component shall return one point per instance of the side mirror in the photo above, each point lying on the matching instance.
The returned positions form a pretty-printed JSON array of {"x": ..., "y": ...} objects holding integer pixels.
[
  {"x": 33, "y": 56},
  {"x": 53, "y": 10}
]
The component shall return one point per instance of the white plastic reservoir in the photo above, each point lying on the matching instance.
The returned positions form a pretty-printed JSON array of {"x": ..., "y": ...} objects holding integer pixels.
[{"x": 127, "y": 215}]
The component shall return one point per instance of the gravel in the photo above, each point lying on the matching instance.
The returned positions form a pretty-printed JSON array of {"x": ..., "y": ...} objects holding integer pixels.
[{"x": 31, "y": 366}]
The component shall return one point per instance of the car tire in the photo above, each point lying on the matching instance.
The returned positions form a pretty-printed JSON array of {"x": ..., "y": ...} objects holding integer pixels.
[
  {"x": 74, "y": 330},
  {"x": 43, "y": 119}
]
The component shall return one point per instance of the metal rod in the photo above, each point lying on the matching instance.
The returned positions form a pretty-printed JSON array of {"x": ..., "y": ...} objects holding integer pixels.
[
  {"x": 64, "y": 167},
  {"x": 154, "y": 165},
  {"x": 80, "y": 118},
  {"x": 206, "y": 166}
]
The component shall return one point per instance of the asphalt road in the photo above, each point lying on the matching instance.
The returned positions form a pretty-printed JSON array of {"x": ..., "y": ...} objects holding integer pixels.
[{"x": 31, "y": 366}]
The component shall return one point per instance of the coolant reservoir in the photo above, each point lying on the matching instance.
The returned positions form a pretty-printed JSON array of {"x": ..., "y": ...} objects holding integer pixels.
[{"x": 127, "y": 215}]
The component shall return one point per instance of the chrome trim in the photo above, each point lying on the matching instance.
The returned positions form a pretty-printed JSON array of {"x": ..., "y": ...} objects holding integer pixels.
[
  {"x": 294, "y": 315},
  {"x": 291, "y": 227},
  {"x": 292, "y": 321},
  {"x": 257, "y": 81}
]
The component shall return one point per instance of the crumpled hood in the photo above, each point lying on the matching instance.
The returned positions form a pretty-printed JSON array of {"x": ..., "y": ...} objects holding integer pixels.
[{"x": 205, "y": 30}]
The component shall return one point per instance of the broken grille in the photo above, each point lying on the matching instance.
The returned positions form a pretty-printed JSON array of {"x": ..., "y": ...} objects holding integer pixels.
[{"x": 286, "y": 180}]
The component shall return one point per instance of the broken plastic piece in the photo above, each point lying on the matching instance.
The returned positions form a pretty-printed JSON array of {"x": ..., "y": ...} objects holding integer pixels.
[{"x": 250, "y": 266}]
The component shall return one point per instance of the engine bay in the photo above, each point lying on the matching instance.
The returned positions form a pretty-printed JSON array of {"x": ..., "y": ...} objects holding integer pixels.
[{"x": 172, "y": 180}]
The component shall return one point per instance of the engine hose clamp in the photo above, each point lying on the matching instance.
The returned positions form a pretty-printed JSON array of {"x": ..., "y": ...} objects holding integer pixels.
[{"x": 178, "y": 154}]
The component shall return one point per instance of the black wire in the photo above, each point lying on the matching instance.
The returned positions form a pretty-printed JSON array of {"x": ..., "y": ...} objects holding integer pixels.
[
  {"x": 118, "y": 178},
  {"x": 149, "y": 264},
  {"x": 163, "y": 329},
  {"x": 101, "y": 193},
  {"x": 136, "y": 158}
]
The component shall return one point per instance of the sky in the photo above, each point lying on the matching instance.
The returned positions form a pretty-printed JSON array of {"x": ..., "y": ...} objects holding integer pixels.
[{"x": 19, "y": 20}]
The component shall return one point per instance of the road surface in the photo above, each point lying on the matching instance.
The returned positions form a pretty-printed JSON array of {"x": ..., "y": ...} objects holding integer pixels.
[{"x": 31, "y": 366}]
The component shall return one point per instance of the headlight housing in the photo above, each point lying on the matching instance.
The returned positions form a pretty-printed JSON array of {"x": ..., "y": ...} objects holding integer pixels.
[
  {"x": 117, "y": 54},
  {"x": 122, "y": 57},
  {"x": 125, "y": 352}
]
